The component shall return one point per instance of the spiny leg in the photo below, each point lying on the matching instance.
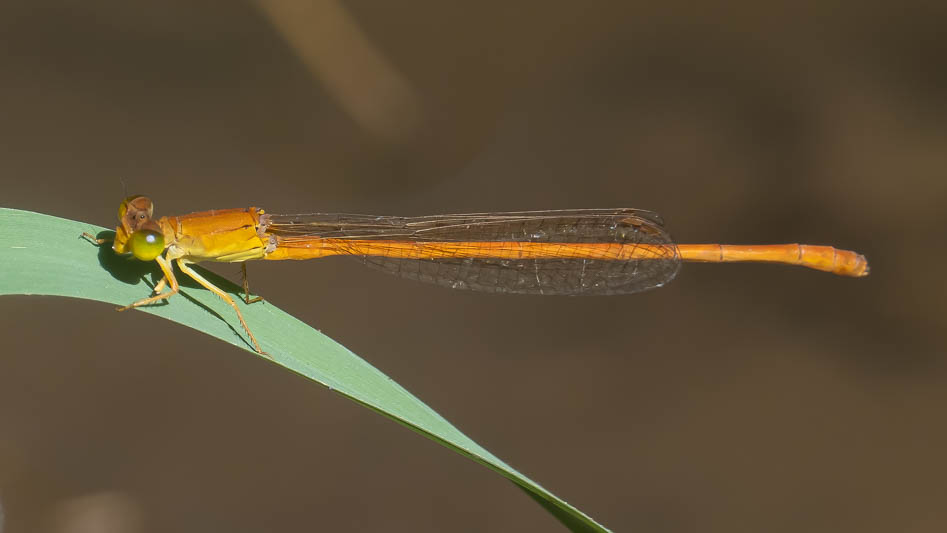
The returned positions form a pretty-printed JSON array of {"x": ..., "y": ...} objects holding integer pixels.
[
  {"x": 246, "y": 287},
  {"x": 168, "y": 278},
  {"x": 223, "y": 296}
]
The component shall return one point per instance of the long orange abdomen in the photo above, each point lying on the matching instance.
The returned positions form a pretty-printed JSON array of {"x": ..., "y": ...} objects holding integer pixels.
[{"x": 824, "y": 258}]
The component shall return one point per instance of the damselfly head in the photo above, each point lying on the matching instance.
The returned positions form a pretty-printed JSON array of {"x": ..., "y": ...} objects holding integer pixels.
[
  {"x": 135, "y": 210},
  {"x": 137, "y": 233}
]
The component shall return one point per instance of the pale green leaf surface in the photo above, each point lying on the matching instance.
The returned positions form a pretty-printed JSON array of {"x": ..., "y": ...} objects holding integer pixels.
[{"x": 44, "y": 255}]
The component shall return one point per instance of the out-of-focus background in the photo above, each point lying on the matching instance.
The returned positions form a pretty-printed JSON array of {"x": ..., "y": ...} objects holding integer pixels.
[{"x": 738, "y": 398}]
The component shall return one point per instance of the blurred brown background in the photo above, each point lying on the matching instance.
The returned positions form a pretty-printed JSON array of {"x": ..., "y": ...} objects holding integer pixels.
[{"x": 738, "y": 398}]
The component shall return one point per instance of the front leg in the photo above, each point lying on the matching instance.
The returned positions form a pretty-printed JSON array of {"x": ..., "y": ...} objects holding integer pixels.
[
  {"x": 156, "y": 292},
  {"x": 93, "y": 239},
  {"x": 159, "y": 286},
  {"x": 168, "y": 278}
]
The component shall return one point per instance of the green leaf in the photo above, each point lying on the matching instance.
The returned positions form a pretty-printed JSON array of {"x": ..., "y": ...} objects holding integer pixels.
[{"x": 41, "y": 254}]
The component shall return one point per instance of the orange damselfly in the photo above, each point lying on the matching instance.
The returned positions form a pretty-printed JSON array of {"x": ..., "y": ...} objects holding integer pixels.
[{"x": 571, "y": 252}]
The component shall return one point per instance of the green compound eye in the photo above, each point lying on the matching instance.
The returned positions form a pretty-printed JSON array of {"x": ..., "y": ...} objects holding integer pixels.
[{"x": 146, "y": 244}]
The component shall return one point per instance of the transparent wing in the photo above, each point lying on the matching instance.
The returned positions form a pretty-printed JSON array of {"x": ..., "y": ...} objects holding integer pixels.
[{"x": 573, "y": 252}]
